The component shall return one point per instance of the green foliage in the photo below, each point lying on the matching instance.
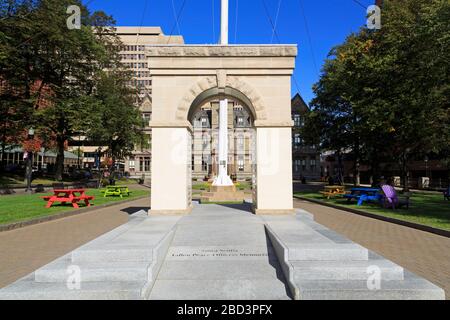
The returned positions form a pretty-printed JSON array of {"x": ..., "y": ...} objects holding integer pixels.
[
  {"x": 117, "y": 121},
  {"x": 201, "y": 186},
  {"x": 384, "y": 94},
  {"x": 40, "y": 57}
]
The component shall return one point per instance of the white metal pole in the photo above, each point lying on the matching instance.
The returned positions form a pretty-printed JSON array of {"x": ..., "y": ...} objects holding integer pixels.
[
  {"x": 223, "y": 179},
  {"x": 224, "y": 23}
]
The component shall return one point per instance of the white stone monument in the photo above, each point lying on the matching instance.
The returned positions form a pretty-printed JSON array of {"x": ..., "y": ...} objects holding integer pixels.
[{"x": 184, "y": 77}]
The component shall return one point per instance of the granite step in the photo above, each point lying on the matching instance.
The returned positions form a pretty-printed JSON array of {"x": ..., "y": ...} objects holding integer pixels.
[
  {"x": 345, "y": 270},
  {"x": 31, "y": 290},
  {"x": 259, "y": 289},
  {"x": 411, "y": 288},
  {"x": 112, "y": 254},
  {"x": 94, "y": 271},
  {"x": 327, "y": 252}
]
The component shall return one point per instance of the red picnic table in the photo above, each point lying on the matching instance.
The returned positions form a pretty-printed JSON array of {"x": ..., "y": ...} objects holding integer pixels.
[{"x": 72, "y": 196}]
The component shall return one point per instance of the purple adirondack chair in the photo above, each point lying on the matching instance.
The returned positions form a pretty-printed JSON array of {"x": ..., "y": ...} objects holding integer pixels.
[
  {"x": 447, "y": 193},
  {"x": 391, "y": 199}
]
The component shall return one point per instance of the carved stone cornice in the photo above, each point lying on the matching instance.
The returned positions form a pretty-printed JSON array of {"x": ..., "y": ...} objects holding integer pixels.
[
  {"x": 273, "y": 124},
  {"x": 221, "y": 51},
  {"x": 171, "y": 124}
]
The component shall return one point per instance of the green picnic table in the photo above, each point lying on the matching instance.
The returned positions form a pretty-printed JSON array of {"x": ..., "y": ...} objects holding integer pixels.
[{"x": 116, "y": 191}]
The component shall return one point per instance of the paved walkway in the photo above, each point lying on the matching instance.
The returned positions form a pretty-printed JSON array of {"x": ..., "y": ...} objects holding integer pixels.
[
  {"x": 220, "y": 252},
  {"x": 426, "y": 254},
  {"x": 24, "y": 250}
]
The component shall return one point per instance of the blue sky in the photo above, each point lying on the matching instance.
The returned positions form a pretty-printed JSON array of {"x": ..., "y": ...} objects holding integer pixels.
[{"x": 328, "y": 21}]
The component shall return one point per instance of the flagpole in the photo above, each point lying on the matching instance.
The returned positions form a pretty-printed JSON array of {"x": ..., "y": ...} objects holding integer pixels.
[
  {"x": 224, "y": 23},
  {"x": 223, "y": 179}
]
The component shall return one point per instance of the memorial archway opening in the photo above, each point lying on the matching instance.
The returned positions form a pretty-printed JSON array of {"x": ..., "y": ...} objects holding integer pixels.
[{"x": 204, "y": 116}]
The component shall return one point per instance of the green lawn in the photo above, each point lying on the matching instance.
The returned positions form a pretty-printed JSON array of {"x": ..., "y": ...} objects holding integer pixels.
[
  {"x": 125, "y": 181},
  {"x": 242, "y": 185},
  {"x": 425, "y": 208},
  {"x": 222, "y": 202},
  {"x": 15, "y": 208}
]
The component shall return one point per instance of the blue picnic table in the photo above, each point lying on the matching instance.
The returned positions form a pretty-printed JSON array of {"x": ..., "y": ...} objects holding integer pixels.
[{"x": 363, "y": 194}]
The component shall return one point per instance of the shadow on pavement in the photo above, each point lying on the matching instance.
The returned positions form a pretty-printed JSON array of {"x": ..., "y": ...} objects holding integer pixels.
[
  {"x": 131, "y": 210},
  {"x": 247, "y": 207}
]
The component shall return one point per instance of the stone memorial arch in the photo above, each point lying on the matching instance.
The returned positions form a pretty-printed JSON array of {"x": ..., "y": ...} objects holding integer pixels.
[{"x": 184, "y": 76}]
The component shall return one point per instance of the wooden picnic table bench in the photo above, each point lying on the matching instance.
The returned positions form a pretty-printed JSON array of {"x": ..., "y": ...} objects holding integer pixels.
[
  {"x": 72, "y": 196},
  {"x": 116, "y": 191},
  {"x": 331, "y": 191}
]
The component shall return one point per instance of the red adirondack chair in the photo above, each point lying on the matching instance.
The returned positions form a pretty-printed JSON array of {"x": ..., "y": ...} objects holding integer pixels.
[{"x": 391, "y": 199}]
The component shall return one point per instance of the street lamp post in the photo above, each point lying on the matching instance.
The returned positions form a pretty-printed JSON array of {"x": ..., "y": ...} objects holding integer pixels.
[
  {"x": 29, "y": 165},
  {"x": 79, "y": 150}
]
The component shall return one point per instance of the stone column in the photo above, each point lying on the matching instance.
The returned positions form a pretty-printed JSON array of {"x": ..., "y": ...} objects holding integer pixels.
[
  {"x": 171, "y": 170},
  {"x": 273, "y": 171}
]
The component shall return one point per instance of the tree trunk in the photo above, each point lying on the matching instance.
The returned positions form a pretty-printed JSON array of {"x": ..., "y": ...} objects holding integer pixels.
[
  {"x": 357, "y": 174},
  {"x": 375, "y": 177},
  {"x": 2, "y": 164},
  {"x": 356, "y": 171},
  {"x": 375, "y": 170},
  {"x": 59, "y": 158},
  {"x": 405, "y": 172},
  {"x": 112, "y": 170},
  {"x": 340, "y": 169}
]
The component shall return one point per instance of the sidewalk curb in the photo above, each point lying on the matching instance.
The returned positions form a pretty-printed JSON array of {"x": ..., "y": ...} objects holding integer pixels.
[
  {"x": 421, "y": 227},
  {"x": 22, "y": 224}
]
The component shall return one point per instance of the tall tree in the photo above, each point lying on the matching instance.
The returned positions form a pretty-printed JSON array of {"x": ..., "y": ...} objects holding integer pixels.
[
  {"x": 412, "y": 55},
  {"x": 386, "y": 92},
  {"x": 67, "y": 62},
  {"x": 118, "y": 123},
  {"x": 17, "y": 74}
]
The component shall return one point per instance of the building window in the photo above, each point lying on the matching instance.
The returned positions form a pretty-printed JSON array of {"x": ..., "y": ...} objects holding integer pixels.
[
  {"x": 297, "y": 140},
  {"x": 303, "y": 164},
  {"x": 147, "y": 116},
  {"x": 297, "y": 164},
  {"x": 144, "y": 164},
  {"x": 240, "y": 143},
  {"x": 205, "y": 142},
  {"x": 204, "y": 122},
  {"x": 297, "y": 120},
  {"x": 241, "y": 163},
  {"x": 240, "y": 121},
  {"x": 312, "y": 163},
  {"x": 205, "y": 163}
]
